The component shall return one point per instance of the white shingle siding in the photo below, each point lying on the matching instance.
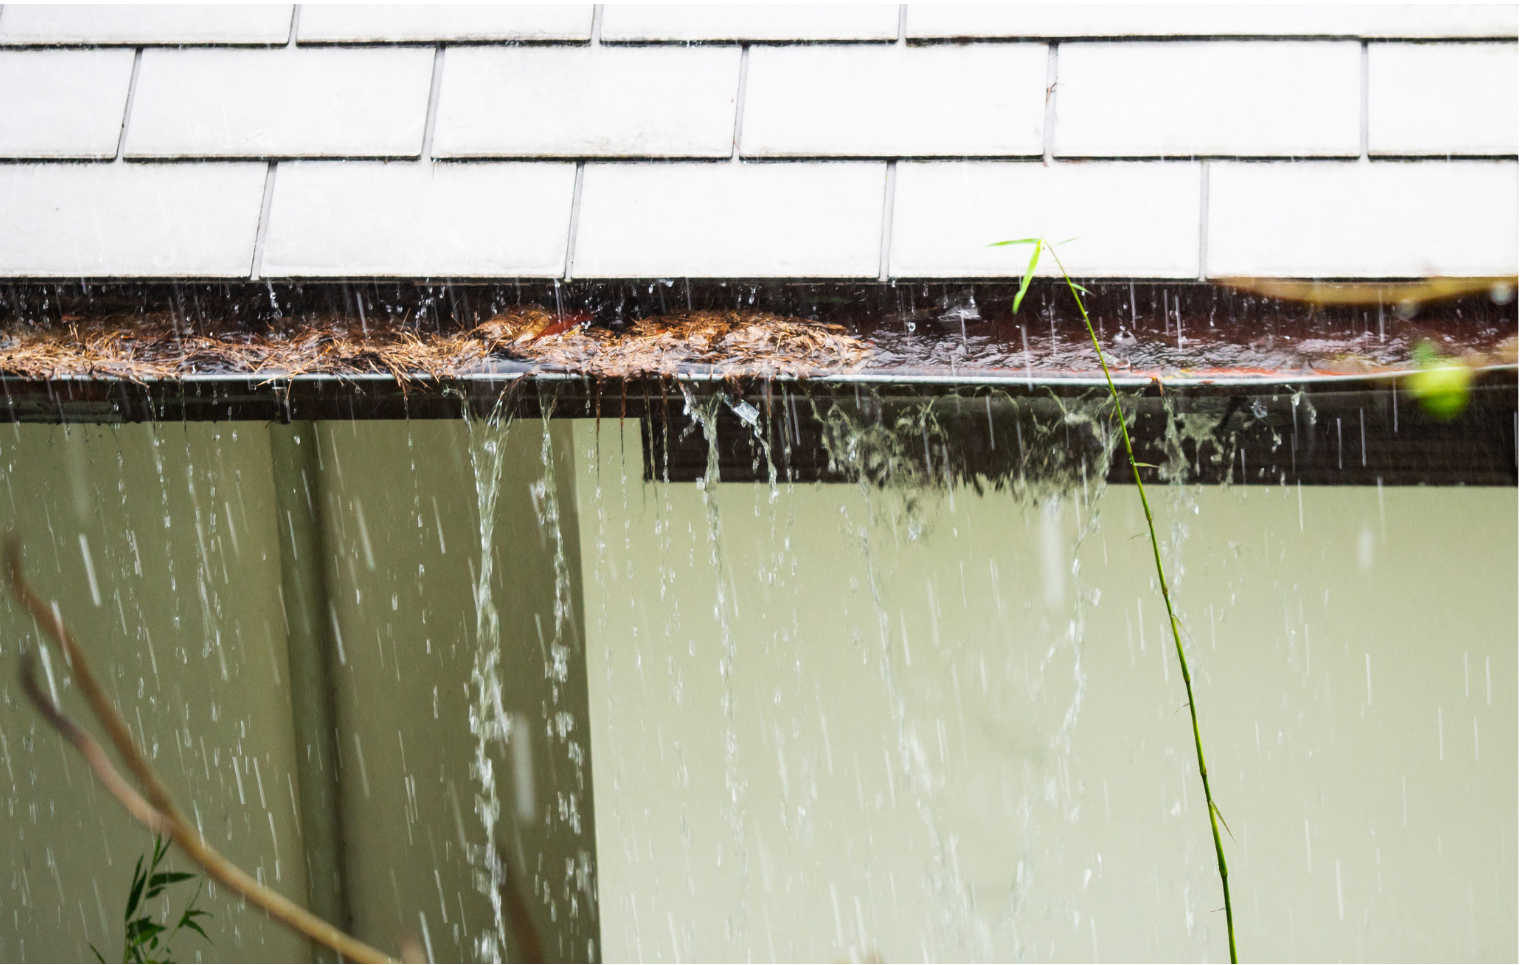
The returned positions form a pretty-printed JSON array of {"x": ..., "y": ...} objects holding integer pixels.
[
  {"x": 787, "y": 22},
  {"x": 62, "y": 103},
  {"x": 368, "y": 218},
  {"x": 1364, "y": 220},
  {"x": 281, "y": 103},
  {"x": 722, "y": 220},
  {"x": 589, "y": 102},
  {"x": 337, "y": 23},
  {"x": 824, "y": 90},
  {"x": 129, "y": 220},
  {"x": 884, "y": 101},
  {"x": 1179, "y": 99},
  {"x": 103, "y": 24},
  {"x": 1457, "y": 99},
  {"x": 1127, "y": 218},
  {"x": 949, "y": 21}
]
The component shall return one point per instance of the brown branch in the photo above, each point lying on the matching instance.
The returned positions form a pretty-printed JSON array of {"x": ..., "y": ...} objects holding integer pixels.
[
  {"x": 159, "y": 812},
  {"x": 91, "y": 750},
  {"x": 528, "y": 946}
]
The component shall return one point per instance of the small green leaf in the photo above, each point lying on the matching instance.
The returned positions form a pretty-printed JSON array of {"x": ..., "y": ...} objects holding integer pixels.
[
  {"x": 163, "y": 880},
  {"x": 1024, "y": 284},
  {"x": 198, "y": 928},
  {"x": 1016, "y": 241},
  {"x": 139, "y": 880},
  {"x": 141, "y": 930}
]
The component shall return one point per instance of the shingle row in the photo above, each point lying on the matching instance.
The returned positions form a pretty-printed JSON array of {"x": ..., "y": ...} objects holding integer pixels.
[
  {"x": 1118, "y": 99},
  {"x": 133, "y": 24},
  {"x": 728, "y": 220}
]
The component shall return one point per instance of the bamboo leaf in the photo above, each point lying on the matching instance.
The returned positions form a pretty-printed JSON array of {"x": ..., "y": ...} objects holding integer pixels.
[
  {"x": 142, "y": 930},
  {"x": 1217, "y": 808},
  {"x": 164, "y": 878},
  {"x": 1024, "y": 284},
  {"x": 133, "y": 896},
  {"x": 187, "y": 922},
  {"x": 1016, "y": 241}
]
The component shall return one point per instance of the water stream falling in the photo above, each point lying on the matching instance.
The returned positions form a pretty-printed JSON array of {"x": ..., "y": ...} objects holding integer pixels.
[
  {"x": 487, "y": 717},
  {"x": 704, "y": 414}
]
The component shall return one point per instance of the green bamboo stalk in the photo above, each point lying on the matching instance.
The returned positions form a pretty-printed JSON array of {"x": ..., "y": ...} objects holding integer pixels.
[{"x": 1194, "y": 718}]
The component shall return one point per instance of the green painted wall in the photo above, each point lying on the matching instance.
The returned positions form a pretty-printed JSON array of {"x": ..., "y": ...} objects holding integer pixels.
[{"x": 895, "y": 722}]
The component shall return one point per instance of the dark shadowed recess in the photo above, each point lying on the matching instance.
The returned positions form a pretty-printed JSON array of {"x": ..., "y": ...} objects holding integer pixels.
[
  {"x": 998, "y": 439},
  {"x": 1324, "y": 432}
]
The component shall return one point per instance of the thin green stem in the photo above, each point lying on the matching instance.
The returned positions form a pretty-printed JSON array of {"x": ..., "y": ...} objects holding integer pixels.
[{"x": 1178, "y": 643}]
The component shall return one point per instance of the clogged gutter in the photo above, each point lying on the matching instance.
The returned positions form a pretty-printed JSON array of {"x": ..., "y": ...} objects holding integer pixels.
[
  {"x": 922, "y": 333},
  {"x": 151, "y": 347}
]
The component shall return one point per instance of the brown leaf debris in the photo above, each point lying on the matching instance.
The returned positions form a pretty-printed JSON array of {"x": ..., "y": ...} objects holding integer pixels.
[{"x": 146, "y": 347}]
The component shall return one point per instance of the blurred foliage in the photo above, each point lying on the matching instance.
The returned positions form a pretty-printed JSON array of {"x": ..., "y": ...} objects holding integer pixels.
[
  {"x": 1442, "y": 385},
  {"x": 144, "y": 939}
]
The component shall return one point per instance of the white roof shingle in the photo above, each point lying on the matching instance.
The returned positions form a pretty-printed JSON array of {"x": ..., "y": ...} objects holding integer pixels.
[
  {"x": 589, "y": 102},
  {"x": 1457, "y": 99},
  {"x": 107, "y": 24},
  {"x": 129, "y": 220},
  {"x": 281, "y": 103},
  {"x": 63, "y": 103},
  {"x": 1258, "y": 98},
  {"x": 1126, "y": 218},
  {"x": 750, "y": 23},
  {"x": 880, "y": 101},
  {"x": 365, "y": 23},
  {"x": 1024, "y": 20},
  {"x": 371, "y": 218},
  {"x": 719, "y": 220},
  {"x": 1335, "y": 220}
]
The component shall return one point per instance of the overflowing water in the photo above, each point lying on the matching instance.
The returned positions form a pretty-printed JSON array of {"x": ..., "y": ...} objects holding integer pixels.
[{"x": 756, "y": 673}]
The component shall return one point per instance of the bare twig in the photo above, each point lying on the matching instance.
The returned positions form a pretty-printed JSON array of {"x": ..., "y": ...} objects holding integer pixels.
[
  {"x": 159, "y": 811},
  {"x": 91, "y": 750}
]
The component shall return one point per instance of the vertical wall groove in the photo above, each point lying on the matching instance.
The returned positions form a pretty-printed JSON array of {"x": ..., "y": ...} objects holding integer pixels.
[
  {"x": 264, "y": 224},
  {"x": 743, "y": 78},
  {"x": 888, "y": 196},
  {"x": 1364, "y": 100},
  {"x": 1048, "y": 132},
  {"x": 127, "y": 108},
  {"x": 573, "y": 220},
  {"x": 433, "y": 105},
  {"x": 310, "y": 649},
  {"x": 1204, "y": 218}
]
